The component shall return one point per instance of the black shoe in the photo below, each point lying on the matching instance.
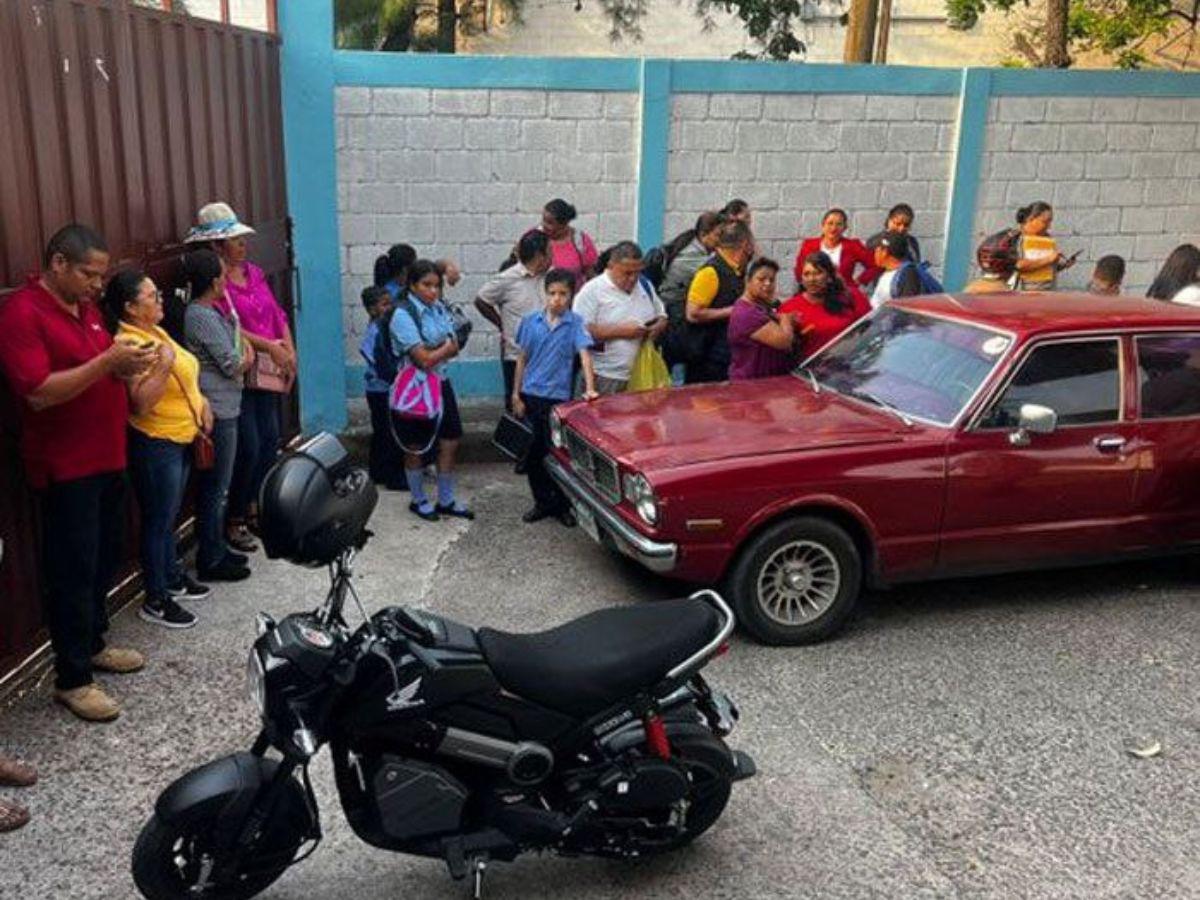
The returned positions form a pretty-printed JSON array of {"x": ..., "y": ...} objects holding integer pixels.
[
  {"x": 536, "y": 515},
  {"x": 455, "y": 511},
  {"x": 189, "y": 588},
  {"x": 238, "y": 559},
  {"x": 166, "y": 612},
  {"x": 567, "y": 517},
  {"x": 415, "y": 509},
  {"x": 396, "y": 486},
  {"x": 225, "y": 570}
]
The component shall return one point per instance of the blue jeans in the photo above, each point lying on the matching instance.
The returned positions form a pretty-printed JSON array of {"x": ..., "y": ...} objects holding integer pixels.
[
  {"x": 159, "y": 469},
  {"x": 258, "y": 443},
  {"x": 212, "y": 495}
]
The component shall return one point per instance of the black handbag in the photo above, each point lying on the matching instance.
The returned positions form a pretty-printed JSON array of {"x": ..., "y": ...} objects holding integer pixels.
[{"x": 513, "y": 437}]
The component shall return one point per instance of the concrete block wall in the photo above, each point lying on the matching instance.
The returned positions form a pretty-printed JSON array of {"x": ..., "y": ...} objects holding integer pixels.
[
  {"x": 792, "y": 156},
  {"x": 461, "y": 174},
  {"x": 1123, "y": 175}
]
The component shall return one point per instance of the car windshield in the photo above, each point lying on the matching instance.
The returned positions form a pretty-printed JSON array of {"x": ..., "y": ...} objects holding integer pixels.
[{"x": 913, "y": 364}]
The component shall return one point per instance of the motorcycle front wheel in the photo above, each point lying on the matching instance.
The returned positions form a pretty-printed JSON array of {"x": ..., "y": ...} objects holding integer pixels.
[{"x": 174, "y": 861}]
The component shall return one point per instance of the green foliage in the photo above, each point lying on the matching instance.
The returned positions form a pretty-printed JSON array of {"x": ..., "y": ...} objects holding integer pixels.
[
  {"x": 374, "y": 24},
  {"x": 1113, "y": 27}
]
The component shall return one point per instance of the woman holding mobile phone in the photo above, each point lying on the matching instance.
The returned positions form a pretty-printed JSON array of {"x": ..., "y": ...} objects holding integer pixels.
[{"x": 1039, "y": 260}]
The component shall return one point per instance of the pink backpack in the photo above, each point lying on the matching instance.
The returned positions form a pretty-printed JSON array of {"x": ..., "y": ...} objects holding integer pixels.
[{"x": 416, "y": 394}]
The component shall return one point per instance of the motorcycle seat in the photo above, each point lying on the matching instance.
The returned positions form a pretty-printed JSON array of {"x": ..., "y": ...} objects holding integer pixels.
[{"x": 590, "y": 663}]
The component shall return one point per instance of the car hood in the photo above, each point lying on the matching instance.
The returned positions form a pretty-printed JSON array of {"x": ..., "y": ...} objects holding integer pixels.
[{"x": 682, "y": 426}]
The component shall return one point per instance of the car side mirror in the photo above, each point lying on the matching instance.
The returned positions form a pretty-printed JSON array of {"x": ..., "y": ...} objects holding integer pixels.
[{"x": 1034, "y": 419}]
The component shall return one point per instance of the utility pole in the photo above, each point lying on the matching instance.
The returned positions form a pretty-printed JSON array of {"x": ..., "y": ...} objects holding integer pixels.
[
  {"x": 885, "y": 31},
  {"x": 860, "y": 31}
]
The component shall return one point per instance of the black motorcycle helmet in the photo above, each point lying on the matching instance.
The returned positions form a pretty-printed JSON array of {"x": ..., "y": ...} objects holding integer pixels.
[{"x": 315, "y": 503}]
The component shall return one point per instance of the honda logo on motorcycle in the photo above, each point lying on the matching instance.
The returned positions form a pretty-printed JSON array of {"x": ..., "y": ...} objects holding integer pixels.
[{"x": 404, "y": 698}]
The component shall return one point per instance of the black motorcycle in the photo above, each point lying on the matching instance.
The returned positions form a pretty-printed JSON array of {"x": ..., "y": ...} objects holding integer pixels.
[{"x": 597, "y": 737}]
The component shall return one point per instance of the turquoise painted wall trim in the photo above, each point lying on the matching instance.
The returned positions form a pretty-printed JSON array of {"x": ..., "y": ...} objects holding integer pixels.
[
  {"x": 699, "y": 76},
  {"x": 470, "y": 377},
  {"x": 364, "y": 68},
  {"x": 310, "y": 152},
  {"x": 964, "y": 183},
  {"x": 655, "y": 128},
  {"x": 1045, "y": 83}
]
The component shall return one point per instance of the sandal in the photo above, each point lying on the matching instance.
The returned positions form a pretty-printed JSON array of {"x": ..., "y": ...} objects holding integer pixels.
[
  {"x": 12, "y": 816},
  {"x": 456, "y": 511},
  {"x": 15, "y": 773},
  {"x": 430, "y": 516}
]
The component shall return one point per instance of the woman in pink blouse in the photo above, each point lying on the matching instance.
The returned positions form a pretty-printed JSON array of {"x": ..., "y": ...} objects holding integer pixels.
[
  {"x": 570, "y": 248},
  {"x": 264, "y": 326}
]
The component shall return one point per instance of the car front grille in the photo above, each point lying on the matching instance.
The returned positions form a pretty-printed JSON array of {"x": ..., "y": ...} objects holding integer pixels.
[{"x": 597, "y": 469}]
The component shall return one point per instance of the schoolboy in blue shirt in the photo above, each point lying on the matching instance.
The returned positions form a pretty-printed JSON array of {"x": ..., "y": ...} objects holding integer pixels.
[
  {"x": 386, "y": 461},
  {"x": 549, "y": 340}
]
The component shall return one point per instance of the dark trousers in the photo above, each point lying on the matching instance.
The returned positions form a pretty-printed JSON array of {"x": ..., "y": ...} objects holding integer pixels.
[
  {"x": 509, "y": 368},
  {"x": 212, "y": 495},
  {"x": 258, "y": 443},
  {"x": 547, "y": 494},
  {"x": 707, "y": 370},
  {"x": 83, "y": 524},
  {"x": 159, "y": 471},
  {"x": 387, "y": 460}
]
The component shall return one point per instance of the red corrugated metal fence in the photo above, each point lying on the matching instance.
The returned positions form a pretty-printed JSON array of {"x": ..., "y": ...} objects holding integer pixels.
[{"x": 127, "y": 119}]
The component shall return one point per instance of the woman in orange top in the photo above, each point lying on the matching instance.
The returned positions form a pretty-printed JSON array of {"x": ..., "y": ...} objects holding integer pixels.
[
  {"x": 1039, "y": 261},
  {"x": 826, "y": 305}
]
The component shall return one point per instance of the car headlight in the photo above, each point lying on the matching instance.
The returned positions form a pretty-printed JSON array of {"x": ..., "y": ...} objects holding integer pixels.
[
  {"x": 256, "y": 682},
  {"x": 556, "y": 429},
  {"x": 639, "y": 493}
]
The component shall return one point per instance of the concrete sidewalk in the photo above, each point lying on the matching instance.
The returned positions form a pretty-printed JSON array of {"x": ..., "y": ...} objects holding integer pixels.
[{"x": 961, "y": 739}]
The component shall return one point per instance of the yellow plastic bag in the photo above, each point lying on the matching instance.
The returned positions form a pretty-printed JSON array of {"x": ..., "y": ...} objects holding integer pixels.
[{"x": 649, "y": 370}]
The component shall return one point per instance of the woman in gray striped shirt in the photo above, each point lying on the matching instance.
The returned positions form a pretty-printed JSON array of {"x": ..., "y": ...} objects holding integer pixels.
[{"x": 211, "y": 330}]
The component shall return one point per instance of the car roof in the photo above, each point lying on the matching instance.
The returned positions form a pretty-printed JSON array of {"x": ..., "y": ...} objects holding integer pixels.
[{"x": 1035, "y": 312}]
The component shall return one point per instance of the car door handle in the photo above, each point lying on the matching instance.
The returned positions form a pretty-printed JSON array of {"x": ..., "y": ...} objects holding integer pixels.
[{"x": 1110, "y": 444}]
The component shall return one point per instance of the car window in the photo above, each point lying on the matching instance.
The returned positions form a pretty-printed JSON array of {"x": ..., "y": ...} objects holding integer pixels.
[
  {"x": 1169, "y": 375},
  {"x": 920, "y": 365},
  {"x": 1079, "y": 380}
]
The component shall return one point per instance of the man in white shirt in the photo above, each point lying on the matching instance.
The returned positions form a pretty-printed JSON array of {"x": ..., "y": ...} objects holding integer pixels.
[
  {"x": 620, "y": 311},
  {"x": 512, "y": 295}
]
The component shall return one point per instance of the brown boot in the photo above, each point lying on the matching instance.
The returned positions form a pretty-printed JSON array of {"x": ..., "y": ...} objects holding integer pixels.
[
  {"x": 119, "y": 660},
  {"x": 15, "y": 773},
  {"x": 12, "y": 815},
  {"x": 89, "y": 702}
]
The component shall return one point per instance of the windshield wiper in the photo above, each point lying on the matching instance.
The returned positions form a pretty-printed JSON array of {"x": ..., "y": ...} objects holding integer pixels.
[
  {"x": 883, "y": 404},
  {"x": 816, "y": 385}
]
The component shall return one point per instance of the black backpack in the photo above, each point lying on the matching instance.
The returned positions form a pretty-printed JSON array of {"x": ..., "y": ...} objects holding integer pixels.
[{"x": 383, "y": 354}]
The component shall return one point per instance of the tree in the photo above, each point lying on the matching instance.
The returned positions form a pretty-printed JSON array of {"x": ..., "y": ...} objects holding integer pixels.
[{"x": 1117, "y": 28}]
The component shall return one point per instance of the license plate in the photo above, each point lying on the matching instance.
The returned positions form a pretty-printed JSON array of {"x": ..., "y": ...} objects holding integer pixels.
[{"x": 587, "y": 521}]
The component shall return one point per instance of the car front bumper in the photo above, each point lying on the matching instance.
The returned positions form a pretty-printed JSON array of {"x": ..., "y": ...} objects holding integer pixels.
[{"x": 656, "y": 556}]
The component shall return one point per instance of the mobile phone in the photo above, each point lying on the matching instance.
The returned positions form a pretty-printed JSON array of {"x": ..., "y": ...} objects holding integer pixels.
[
  {"x": 650, "y": 323},
  {"x": 1074, "y": 256}
]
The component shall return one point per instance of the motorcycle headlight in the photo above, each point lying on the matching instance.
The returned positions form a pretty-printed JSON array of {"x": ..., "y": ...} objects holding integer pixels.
[
  {"x": 256, "y": 682},
  {"x": 556, "y": 429},
  {"x": 639, "y": 493}
]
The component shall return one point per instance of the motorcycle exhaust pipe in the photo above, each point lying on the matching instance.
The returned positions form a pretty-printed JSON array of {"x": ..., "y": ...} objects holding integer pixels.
[{"x": 526, "y": 763}]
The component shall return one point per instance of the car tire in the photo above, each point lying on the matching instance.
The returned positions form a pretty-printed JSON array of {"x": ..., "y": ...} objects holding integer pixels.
[{"x": 797, "y": 582}]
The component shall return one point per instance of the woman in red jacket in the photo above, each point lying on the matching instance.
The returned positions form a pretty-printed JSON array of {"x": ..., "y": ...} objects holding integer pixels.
[
  {"x": 846, "y": 253},
  {"x": 825, "y": 306}
]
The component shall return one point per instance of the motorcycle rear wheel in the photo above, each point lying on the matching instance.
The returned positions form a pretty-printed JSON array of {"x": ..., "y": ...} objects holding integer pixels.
[
  {"x": 168, "y": 859},
  {"x": 710, "y": 768}
]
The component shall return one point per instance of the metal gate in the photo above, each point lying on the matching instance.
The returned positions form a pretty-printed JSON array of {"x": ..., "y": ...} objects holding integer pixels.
[{"x": 127, "y": 119}]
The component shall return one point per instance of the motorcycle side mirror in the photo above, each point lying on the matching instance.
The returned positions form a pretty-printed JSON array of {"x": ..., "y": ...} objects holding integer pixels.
[{"x": 263, "y": 623}]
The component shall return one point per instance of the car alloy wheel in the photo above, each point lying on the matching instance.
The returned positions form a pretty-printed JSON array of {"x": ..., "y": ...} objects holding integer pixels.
[{"x": 798, "y": 583}]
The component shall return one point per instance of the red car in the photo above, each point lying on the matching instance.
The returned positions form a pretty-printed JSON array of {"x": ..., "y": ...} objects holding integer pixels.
[{"x": 940, "y": 436}]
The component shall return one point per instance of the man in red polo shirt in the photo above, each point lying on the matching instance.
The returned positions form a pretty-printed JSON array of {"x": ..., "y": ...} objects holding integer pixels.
[{"x": 65, "y": 366}]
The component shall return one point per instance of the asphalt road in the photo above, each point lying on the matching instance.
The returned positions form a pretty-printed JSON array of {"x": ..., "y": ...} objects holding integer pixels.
[{"x": 961, "y": 739}]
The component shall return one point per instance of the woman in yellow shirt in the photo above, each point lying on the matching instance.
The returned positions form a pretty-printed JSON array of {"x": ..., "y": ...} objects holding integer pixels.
[
  {"x": 1039, "y": 261},
  {"x": 167, "y": 411}
]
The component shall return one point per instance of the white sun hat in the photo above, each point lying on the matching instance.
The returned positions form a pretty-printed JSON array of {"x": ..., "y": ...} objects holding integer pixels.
[{"x": 216, "y": 222}]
